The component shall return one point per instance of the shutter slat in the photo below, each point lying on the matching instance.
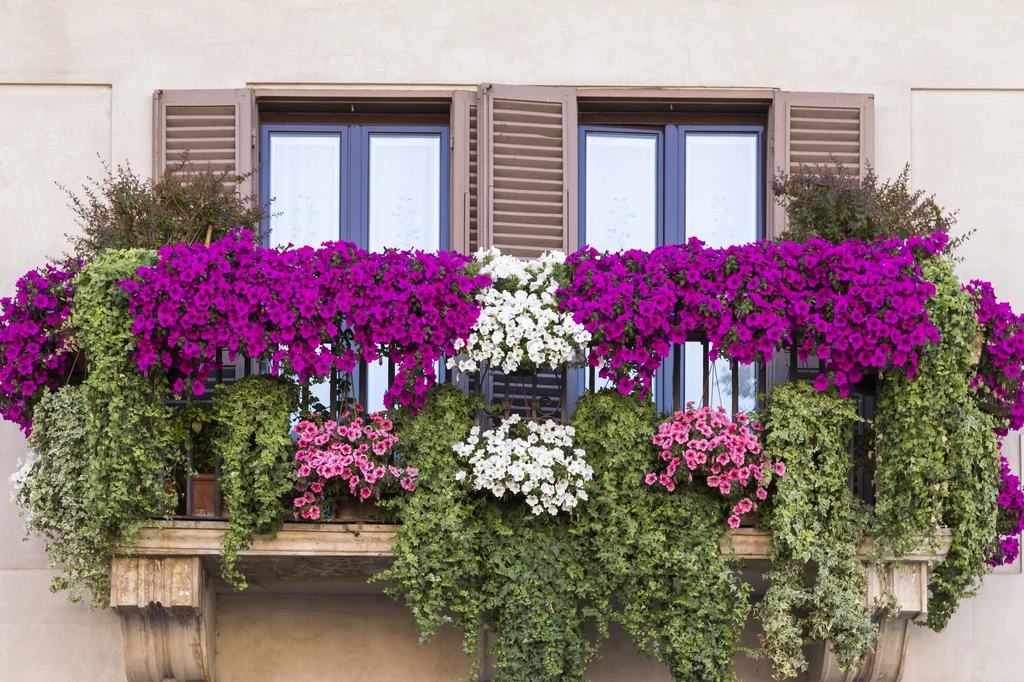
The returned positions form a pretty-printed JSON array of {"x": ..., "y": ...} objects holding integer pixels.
[
  {"x": 213, "y": 128},
  {"x": 817, "y": 129},
  {"x": 527, "y": 151}
]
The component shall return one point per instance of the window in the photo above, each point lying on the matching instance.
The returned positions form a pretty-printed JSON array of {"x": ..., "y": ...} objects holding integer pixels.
[
  {"x": 379, "y": 186},
  {"x": 644, "y": 186}
]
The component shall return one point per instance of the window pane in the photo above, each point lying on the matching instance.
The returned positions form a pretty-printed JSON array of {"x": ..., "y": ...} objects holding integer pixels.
[
  {"x": 405, "y": 192},
  {"x": 305, "y": 185},
  {"x": 721, "y": 188},
  {"x": 621, "y": 191},
  {"x": 719, "y": 381}
]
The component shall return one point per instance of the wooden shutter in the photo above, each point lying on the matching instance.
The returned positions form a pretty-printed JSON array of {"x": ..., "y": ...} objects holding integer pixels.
[
  {"x": 215, "y": 127},
  {"x": 812, "y": 129},
  {"x": 462, "y": 237},
  {"x": 527, "y": 169}
]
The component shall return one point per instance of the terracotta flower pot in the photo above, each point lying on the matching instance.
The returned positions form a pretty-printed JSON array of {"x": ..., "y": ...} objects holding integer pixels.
[
  {"x": 204, "y": 495},
  {"x": 356, "y": 511}
]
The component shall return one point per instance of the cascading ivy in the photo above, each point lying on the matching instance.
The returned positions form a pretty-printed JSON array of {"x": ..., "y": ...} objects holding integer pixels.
[
  {"x": 252, "y": 422},
  {"x": 814, "y": 520},
  {"x": 914, "y": 464},
  {"x": 651, "y": 562},
  {"x": 52, "y": 489},
  {"x": 970, "y": 512},
  {"x": 130, "y": 442},
  {"x": 653, "y": 559}
]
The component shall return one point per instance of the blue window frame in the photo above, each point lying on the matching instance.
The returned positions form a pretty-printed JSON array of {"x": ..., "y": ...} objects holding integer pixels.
[
  {"x": 379, "y": 186},
  {"x": 662, "y": 185}
]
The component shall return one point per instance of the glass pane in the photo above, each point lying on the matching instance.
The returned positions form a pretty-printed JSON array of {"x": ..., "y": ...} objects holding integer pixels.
[
  {"x": 719, "y": 381},
  {"x": 377, "y": 383},
  {"x": 405, "y": 192},
  {"x": 721, "y": 188},
  {"x": 305, "y": 185},
  {"x": 622, "y": 191}
]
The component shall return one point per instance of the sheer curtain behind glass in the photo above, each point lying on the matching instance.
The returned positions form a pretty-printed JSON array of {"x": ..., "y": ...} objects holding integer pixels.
[
  {"x": 305, "y": 186},
  {"x": 621, "y": 195},
  {"x": 404, "y": 211},
  {"x": 721, "y": 207}
]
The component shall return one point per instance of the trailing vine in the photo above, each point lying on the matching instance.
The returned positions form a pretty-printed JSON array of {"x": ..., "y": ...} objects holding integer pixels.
[
  {"x": 130, "y": 443},
  {"x": 970, "y": 512},
  {"x": 52, "y": 490},
  {"x": 814, "y": 520},
  {"x": 914, "y": 464},
  {"x": 252, "y": 421},
  {"x": 653, "y": 559},
  {"x": 651, "y": 562}
]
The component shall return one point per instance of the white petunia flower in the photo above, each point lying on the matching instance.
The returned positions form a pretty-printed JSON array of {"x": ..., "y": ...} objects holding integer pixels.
[
  {"x": 519, "y": 318},
  {"x": 536, "y": 460}
]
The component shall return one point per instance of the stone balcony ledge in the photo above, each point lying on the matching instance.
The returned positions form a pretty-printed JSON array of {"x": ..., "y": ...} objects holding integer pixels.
[
  {"x": 165, "y": 591},
  {"x": 202, "y": 538}
]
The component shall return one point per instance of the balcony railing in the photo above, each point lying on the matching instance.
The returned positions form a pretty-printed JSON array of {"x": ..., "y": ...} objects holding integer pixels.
[{"x": 548, "y": 394}]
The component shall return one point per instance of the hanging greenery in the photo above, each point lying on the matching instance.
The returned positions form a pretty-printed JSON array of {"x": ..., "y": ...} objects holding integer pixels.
[
  {"x": 814, "y": 521},
  {"x": 131, "y": 444},
  {"x": 651, "y": 562},
  {"x": 53, "y": 490},
  {"x": 252, "y": 422},
  {"x": 913, "y": 467}
]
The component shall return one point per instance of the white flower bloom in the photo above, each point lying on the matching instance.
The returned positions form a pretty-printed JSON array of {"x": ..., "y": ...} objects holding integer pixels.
[
  {"x": 461, "y": 475},
  {"x": 536, "y": 460},
  {"x": 519, "y": 318}
]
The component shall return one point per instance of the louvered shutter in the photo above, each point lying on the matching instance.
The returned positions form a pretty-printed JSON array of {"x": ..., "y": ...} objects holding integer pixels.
[
  {"x": 812, "y": 129},
  {"x": 463, "y": 136},
  {"x": 215, "y": 127},
  {"x": 527, "y": 169}
]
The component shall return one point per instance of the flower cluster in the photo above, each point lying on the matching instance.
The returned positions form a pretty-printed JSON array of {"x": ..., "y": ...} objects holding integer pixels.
[
  {"x": 726, "y": 451},
  {"x": 536, "y": 460},
  {"x": 307, "y": 309},
  {"x": 1010, "y": 522},
  {"x": 520, "y": 322},
  {"x": 1000, "y": 378},
  {"x": 346, "y": 457},
  {"x": 859, "y": 307},
  {"x": 34, "y": 353}
]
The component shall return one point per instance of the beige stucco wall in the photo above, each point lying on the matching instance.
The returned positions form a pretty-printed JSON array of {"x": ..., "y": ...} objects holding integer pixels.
[{"x": 76, "y": 80}]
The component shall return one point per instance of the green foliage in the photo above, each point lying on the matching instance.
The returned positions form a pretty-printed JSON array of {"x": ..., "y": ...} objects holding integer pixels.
[
  {"x": 937, "y": 459},
  {"x": 253, "y": 420},
  {"x": 831, "y": 203},
  {"x": 970, "y": 512},
  {"x": 129, "y": 445},
  {"x": 650, "y": 562},
  {"x": 814, "y": 521},
  {"x": 654, "y": 558},
  {"x": 125, "y": 211},
  {"x": 913, "y": 464},
  {"x": 54, "y": 497}
]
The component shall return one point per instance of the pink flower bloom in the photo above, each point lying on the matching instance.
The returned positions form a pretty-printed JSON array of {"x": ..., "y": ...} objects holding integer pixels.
[
  {"x": 651, "y": 479},
  {"x": 780, "y": 468},
  {"x": 762, "y": 494},
  {"x": 734, "y": 522}
]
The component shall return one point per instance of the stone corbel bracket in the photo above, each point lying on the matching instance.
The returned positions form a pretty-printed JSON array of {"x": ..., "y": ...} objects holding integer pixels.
[
  {"x": 168, "y": 618},
  {"x": 908, "y": 584}
]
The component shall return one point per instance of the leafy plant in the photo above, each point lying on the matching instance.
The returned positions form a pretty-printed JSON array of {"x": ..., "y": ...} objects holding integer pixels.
[
  {"x": 970, "y": 513},
  {"x": 814, "y": 521},
  {"x": 130, "y": 446},
  {"x": 188, "y": 204},
  {"x": 651, "y": 562},
  {"x": 53, "y": 492},
  {"x": 253, "y": 418},
  {"x": 832, "y": 203},
  {"x": 914, "y": 464}
]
